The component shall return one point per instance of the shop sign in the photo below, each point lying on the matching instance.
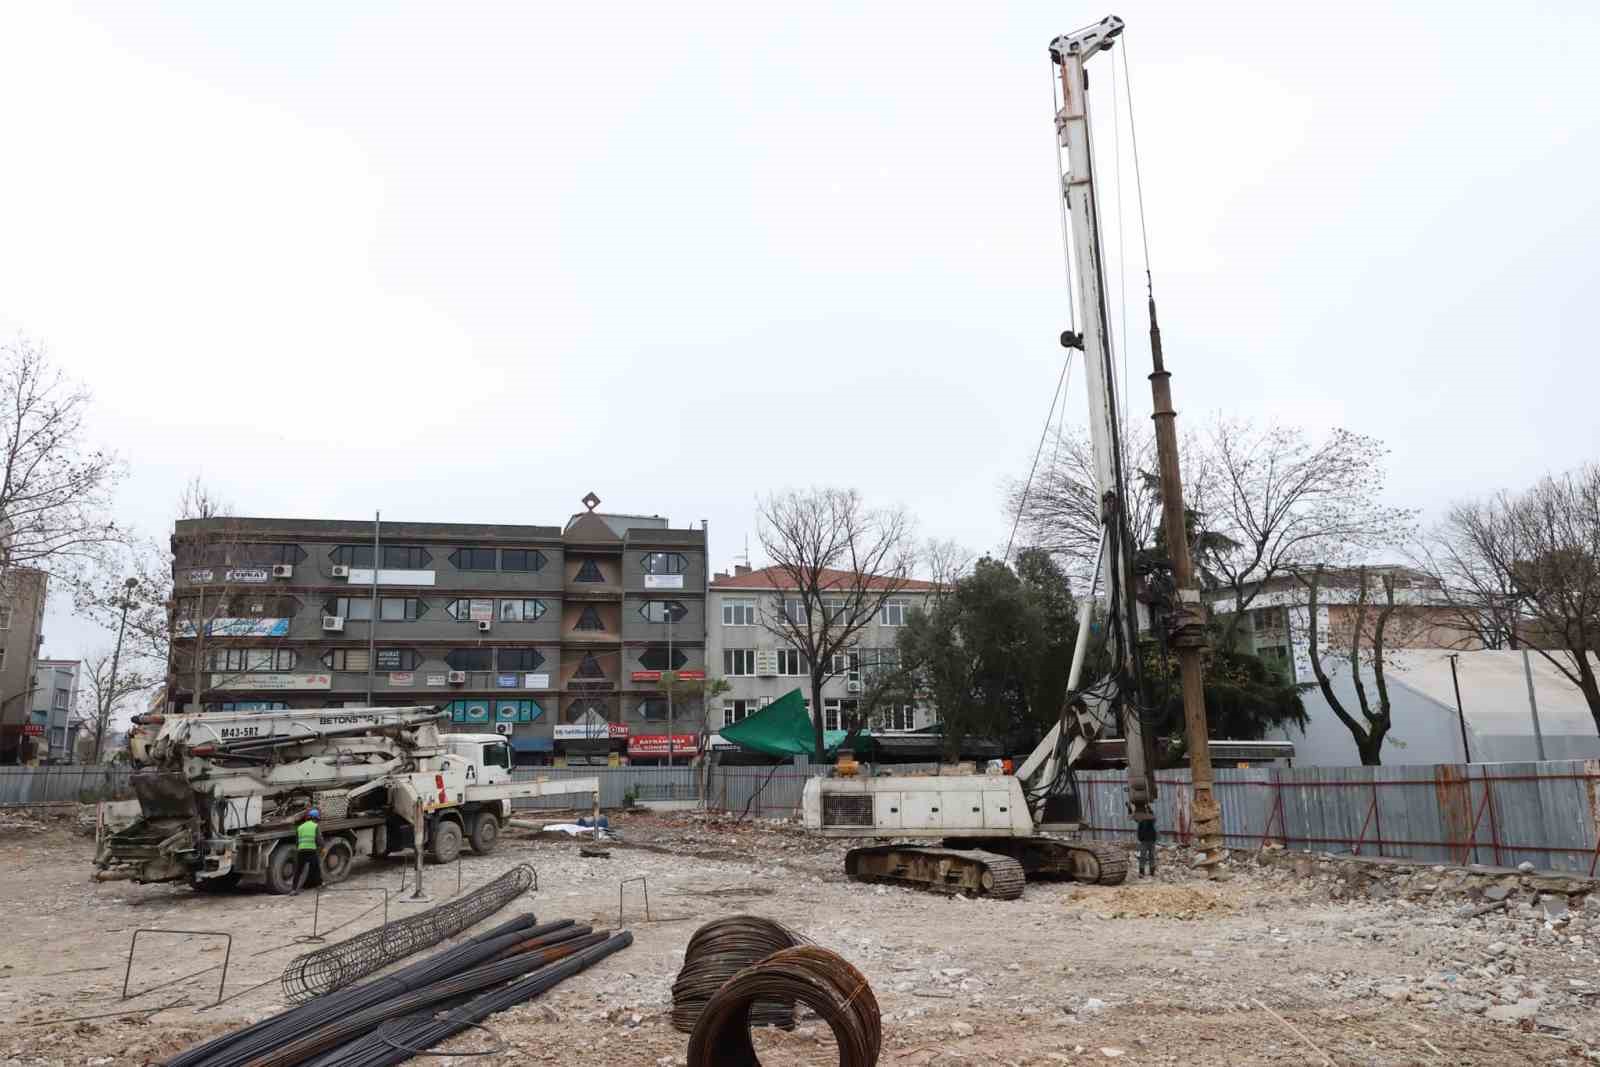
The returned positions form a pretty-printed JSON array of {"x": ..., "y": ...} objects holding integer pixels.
[
  {"x": 655, "y": 676},
  {"x": 237, "y": 628},
  {"x": 589, "y": 731},
  {"x": 506, "y": 681},
  {"x": 200, "y": 576},
  {"x": 33, "y": 729},
  {"x": 363, "y": 576},
  {"x": 663, "y": 581},
  {"x": 437, "y": 679},
  {"x": 272, "y": 681},
  {"x": 656, "y": 744},
  {"x": 248, "y": 575},
  {"x": 402, "y": 678},
  {"x": 480, "y": 611},
  {"x": 536, "y": 681}
]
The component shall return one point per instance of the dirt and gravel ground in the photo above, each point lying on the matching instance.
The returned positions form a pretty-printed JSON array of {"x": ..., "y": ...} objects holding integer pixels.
[{"x": 1264, "y": 968}]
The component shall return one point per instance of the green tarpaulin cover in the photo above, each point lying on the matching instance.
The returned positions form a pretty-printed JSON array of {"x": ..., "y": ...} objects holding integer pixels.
[{"x": 783, "y": 728}]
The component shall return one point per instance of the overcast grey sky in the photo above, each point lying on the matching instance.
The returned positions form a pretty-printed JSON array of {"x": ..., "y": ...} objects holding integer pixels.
[{"x": 469, "y": 262}]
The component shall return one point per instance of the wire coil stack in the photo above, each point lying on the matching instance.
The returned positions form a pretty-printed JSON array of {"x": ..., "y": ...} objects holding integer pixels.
[
  {"x": 821, "y": 980},
  {"x": 719, "y": 950}
]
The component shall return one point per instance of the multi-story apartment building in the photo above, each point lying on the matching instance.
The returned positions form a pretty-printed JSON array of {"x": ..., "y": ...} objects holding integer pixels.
[
  {"x": 759, "y": 667},
  {"x": 1277, "y": 625},
  {"x": 22, "y": 596},
  {"x": 556, "y": 636},
  {"x": 55, "y": 706}
]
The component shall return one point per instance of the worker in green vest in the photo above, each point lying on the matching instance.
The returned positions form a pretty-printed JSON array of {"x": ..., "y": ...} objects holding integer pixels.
[{"x": 307, "y": 862}]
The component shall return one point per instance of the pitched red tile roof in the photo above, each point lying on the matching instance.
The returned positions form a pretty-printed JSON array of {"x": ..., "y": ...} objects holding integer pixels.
[{"x": 776, "y": 578}]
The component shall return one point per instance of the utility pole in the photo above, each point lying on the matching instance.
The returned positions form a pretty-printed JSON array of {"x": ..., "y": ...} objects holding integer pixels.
[
  {"x": 1461, "y": 715},
  {"x": 1533, "y": 706},
  {"x": 670, "y": 675},
  {"x": 372, "y": 623},
  {"x": 1188, "y": 617}
]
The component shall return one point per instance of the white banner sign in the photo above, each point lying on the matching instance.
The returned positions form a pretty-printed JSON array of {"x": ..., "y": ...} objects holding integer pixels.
[
  {"x": 663, "y": 581},
  {"x": 536, "y": 681},
  {"x": 200, "y": 576},
  {"x": 581, "y": 731},
  {"x": 437, "y": 679},
  {"x": 238, "y": 628},
  {"x": 363, "y": 576},
  {"x": 248, "y": 575},
  {"x": 272, "y": 681}
]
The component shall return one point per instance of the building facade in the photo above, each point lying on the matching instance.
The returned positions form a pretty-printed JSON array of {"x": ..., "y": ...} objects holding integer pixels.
[
  {"x": 556, "y": 636},
  {"x": 1277, "y": 623},
  {"x": 22, "y": 597},
  {"x": 55, "y": 707},
  {"x": 758, "y": 666}
]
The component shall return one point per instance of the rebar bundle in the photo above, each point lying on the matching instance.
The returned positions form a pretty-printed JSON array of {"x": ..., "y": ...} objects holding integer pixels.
[
  {"x": 336, "y": 966},
  {"x": 239, "y": 1046},
  {"x": 719, "y": 950},
  {"x": 813, "y": 976},
  {"x": 396, "y": 1043}
]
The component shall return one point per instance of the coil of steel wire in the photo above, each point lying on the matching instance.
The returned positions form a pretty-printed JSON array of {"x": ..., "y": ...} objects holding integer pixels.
[
  {"x": 821, "y": 980},
  {"x": 719, "y": 950},
  {"x": 336, "y": 966}
]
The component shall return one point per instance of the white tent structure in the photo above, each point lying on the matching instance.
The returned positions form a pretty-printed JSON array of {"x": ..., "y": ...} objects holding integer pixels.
[{"x": 1427, "y": 730}]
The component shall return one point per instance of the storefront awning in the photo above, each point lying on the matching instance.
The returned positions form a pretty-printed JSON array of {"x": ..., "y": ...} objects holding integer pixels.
[{"x": 532, "y": 744}]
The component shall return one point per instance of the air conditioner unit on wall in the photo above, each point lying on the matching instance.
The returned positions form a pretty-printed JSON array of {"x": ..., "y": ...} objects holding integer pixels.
[
  {"x": 458, "y": 677},
  {"x": 333, "y": 624},
  {"x": 341, "y": 571},
  {"x": 852, "y": 687},
  {"x": 484, "y": 626},
  {"x": 505, "y": 728},
  {"x": 283, "y": 570}
]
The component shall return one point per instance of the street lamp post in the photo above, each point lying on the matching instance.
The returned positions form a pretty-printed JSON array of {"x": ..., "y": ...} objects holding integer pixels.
[{"x": 116, "y": 657}]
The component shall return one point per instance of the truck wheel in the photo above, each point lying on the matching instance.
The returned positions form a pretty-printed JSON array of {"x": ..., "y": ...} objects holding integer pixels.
[
  {"x": 485, "y": 832},
  {"x": 446, "y": 841},
  {"x": 336, "y": 861},
  {"x": 280, "y": 868}
]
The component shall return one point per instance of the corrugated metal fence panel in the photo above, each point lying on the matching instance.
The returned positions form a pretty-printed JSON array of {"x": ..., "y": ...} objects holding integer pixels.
[
  {"x": 615, "y": 782},
  {"x": 765, "y": 792},
  {"x": 54, "y": 785}
]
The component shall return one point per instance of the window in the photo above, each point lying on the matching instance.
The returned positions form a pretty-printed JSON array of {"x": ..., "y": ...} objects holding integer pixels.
[
  {"x": 5, "y": 618},
  {"x": 349, "y": 607},
  {"x": 653, "y": 708},
  {"x": 661, "y": 610},
  {"x": 346, "y": 659},
  {"x": 583, "y": 709},
  {"x": 497, "y": 755},
  {"x": 830, "y": 714},
  {"x": 848, "y": 663},
  {"x": 589, "y": 668},
  {"x": 892, "y": 613},
  {"x": 521, "y": 559},
  {"x": 589, "y": 572},
  {"x": 589, "y": 620},
  {"x": 395, "y": 557},
  {"x": 473, "y": 559},
  {"x": 252, "y": 659},
  {"x": 520, "y": 610},
  {"x": 400, "y": 609},
  {"x": 898, "y": 717},
  {"x": 833, "y": 608},
  {"x": 737, "y": 662},
  {"x": 520, "y": 659},
  {"x": 663, "y": 563},
  {"x": 738, "y": 613},
  {"x": 790, "y": 662},
  {"x": 470, "y": 659},
  {"x": 881, "y": 659},
  {"x": 794, "y": 611},
  {"x": 735, "y": 710},
  {"x": 474, "y": 610},
  {"x": 1267, "y": 619},
  {"x": 656, "y": 659},
  {"x": 62, "y": 699},
  {"x": 397, "y": 659},
  {"x": 249, "y": 553}
]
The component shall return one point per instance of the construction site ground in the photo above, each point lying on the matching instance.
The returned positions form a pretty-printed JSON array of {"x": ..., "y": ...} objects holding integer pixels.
[{"x": 1266, "y": 967}]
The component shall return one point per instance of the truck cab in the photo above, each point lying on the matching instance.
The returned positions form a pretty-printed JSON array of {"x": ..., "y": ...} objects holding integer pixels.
[{"x": 487, "y": 756}]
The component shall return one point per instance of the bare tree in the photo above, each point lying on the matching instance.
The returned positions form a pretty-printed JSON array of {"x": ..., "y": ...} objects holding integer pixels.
[
  {"x": 946, "y": 562},
  {"x": 55, "y": 491},
  {"x": 1366, "y": 650},
  {"x": 108, "y": 687},
  {"x": 834, "y": 565},
  {"x": 1530, "y": 563}
]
